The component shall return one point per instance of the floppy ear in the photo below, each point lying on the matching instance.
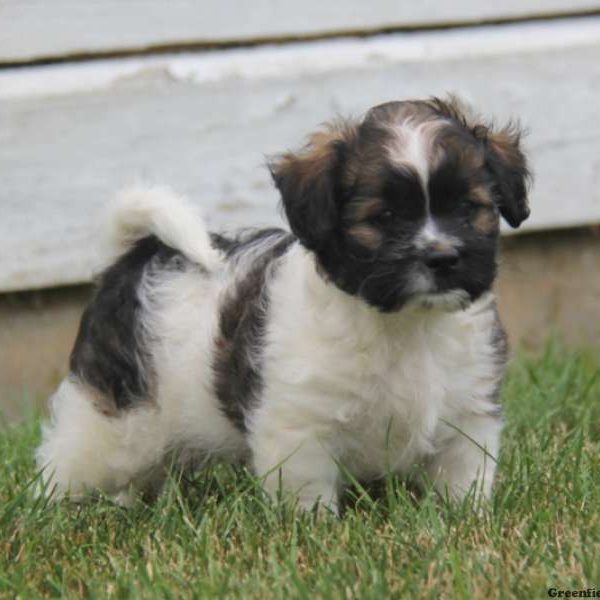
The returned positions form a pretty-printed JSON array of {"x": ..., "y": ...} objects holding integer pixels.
[
  {"x": 508, "y": 166},
  {"x": 309, "y": 183}
]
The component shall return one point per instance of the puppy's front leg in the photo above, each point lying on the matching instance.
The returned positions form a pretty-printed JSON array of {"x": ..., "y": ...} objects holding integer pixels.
[
  {"x": 469, "y": 460},
  {"x": 298, "y": 464}
]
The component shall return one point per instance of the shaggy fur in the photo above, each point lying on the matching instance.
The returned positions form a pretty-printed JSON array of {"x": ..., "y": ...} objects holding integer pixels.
[{"x": 364, "y": 342}]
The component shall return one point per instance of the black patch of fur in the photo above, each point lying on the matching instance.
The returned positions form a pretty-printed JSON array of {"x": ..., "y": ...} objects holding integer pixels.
[
  {"x": 223, "y": 243},
  {"x": 109, "y": 353},
  {"x": 242, "y": 319},
  {"x": 501, "y": 351},
  {"x": 244, "y": 239},
  {"x": 403, "y": 194}
]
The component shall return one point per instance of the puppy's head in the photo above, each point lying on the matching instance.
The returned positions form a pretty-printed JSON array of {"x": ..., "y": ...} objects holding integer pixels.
[{"x": 405, "y": 205}]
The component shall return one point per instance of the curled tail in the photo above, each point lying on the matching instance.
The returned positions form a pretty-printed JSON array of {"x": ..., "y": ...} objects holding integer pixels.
[{"x": 139, "y": 211}]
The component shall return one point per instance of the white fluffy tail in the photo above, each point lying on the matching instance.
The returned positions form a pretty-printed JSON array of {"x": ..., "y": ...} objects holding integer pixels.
[{"x": 141, "y": 211}]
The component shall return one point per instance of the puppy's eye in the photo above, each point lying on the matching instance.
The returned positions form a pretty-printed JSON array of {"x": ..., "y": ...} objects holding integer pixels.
[
  {"x": 467, "y": 206},
  {"x": 385, "y": 216}
]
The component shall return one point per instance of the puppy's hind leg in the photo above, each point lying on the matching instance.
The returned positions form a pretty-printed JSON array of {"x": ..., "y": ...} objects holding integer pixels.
[{"x": 83, "y": 450}]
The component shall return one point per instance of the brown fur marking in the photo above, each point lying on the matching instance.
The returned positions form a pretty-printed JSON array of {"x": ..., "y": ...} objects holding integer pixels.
[
  {"x": 481, "y": 195},
  {"x": 486, "y": 220},
  {"x": 361, "y": 209},
  {"x": 367, "y": 235}
]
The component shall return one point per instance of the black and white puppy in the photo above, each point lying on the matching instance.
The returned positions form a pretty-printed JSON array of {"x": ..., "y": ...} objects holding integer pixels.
[{"x": 365, "y": 341}]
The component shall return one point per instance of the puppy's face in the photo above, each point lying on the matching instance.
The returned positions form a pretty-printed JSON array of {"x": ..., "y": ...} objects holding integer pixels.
[{"x": 405, "y": 205}]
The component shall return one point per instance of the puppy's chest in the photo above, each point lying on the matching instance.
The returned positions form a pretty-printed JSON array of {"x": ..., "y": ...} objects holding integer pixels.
[{"x": 390, "y": 413}]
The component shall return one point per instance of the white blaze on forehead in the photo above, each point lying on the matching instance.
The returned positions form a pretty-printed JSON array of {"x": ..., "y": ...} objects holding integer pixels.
[
  {"x": 416, "y": 154},
  {"x": 411, "y": 147}
]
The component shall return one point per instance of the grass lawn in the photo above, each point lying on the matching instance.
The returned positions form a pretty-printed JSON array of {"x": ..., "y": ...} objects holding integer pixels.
[{"x": 217, "y": 535}]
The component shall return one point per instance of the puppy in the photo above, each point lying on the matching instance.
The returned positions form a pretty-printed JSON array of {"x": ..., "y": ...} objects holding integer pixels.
[{"x": 365, "y": 341}]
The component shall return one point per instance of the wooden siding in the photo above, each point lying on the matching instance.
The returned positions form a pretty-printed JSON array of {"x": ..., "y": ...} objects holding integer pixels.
[{"x": 34, "y": 29}]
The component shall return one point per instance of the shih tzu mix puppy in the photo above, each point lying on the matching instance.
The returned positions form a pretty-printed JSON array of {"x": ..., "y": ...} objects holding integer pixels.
[{"x": 365, "y": 341}]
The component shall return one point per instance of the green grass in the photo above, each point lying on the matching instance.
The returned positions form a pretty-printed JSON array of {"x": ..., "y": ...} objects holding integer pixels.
[{"x": 218, "y": 535}]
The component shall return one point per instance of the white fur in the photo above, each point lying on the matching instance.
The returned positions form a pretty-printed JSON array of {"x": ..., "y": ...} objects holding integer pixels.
[
  {"x": 344, "y": 385},
  {"x": 376, "y": 392},
  {"x": 446, "y": 301},
  {"x": 83, "y": 450},
  {"x": 140, "y": 211}
]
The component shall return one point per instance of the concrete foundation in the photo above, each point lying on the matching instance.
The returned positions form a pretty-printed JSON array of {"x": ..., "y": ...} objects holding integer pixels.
[{"x": 549, "y": 284}]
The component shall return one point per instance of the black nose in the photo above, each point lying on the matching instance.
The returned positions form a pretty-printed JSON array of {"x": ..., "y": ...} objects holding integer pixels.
[{"x": 441, "y": 259}]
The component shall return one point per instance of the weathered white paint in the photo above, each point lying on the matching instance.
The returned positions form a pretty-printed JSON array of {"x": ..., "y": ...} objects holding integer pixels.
[
  {"x": 310, "y": 59},
  {"x": 205, "y": 128},
  {"x": 32, "y": 29}
]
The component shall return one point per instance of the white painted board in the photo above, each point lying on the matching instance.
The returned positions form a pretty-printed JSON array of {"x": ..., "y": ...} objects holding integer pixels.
[
  {"x": 70, "y": 135},
  {"x": 33, "y": 29}
]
